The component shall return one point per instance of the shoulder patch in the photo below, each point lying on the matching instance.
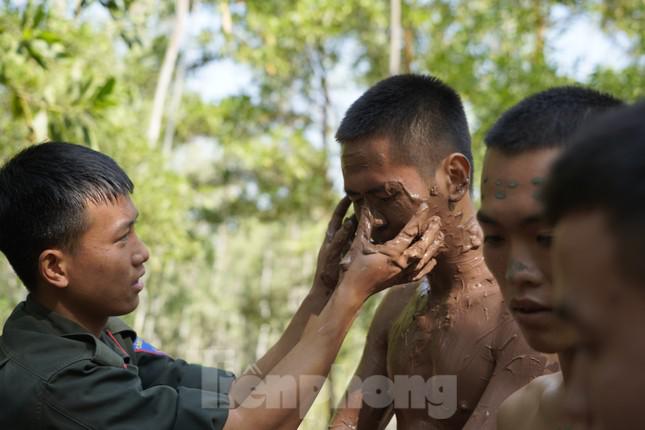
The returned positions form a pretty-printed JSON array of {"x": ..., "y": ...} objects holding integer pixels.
[{"x": 141, "y": 345}]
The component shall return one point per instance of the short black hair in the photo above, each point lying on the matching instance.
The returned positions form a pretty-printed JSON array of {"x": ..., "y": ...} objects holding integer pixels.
[
  {"x": 44, "y": 190},
  {"x": 548, "y": 119},
  {"x": 604, "y": 169},
  {"x": 423, "y": 118}
]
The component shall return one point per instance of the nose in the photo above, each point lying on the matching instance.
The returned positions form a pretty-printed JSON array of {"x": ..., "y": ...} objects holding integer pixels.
[
  {"x": 521, "y": 270},
  {"x": 379, "y": 220},
  {"x": 141, "y": 254}
]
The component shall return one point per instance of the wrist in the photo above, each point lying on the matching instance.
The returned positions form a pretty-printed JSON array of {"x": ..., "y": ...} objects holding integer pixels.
[{"x": 351, "y": 293}]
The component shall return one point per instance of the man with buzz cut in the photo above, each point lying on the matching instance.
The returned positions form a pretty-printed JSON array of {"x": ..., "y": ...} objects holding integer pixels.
[
  {"x": 521, "y": 146},
  {"x": 443, "y": 352},
  {"x": 595, "y": 197},
  {"x": 67, "y": 227}
]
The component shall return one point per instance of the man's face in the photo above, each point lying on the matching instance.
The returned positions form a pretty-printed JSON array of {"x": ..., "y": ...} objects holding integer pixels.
[
  {"x": 607, "y": 310},
  {"x": 517, "y": 243},
  {"x": 392, "y": 191},
  {"x": 106, "y": 265}
]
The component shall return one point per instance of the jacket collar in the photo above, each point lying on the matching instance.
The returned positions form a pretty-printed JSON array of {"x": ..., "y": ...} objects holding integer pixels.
[
  {"x": 65, "y": 327},
  {"x": 30, "y": 316}
]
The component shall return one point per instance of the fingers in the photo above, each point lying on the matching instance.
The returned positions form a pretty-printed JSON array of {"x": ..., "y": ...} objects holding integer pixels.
[
  {"x": 427, "y": 247},
  {"x": 361, "y": 243},
  {"x": 337, "y": 218},
  {"x": 427, "y": 269},
  {"x": 411, "y": 231},
  {"x": 365, "y": 222},
  {"x": 342, "y": 237}
]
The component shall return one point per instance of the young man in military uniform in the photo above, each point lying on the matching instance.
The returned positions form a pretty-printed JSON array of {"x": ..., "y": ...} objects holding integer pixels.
[{"x": 67, "y": 226}]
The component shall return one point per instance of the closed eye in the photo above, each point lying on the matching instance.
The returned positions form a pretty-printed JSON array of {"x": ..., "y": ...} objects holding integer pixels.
[
  {"x": 125, "y": 236},
  {"x": 544, "y": 240},
  {"x": 493, "y": 240}
]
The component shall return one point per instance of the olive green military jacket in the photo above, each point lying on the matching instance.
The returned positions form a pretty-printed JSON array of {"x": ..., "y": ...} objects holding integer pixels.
[{"x": 56, "y": 375}]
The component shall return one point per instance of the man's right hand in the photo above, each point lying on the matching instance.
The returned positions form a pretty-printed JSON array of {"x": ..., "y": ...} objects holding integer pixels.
[{"x": 369, "y": 268}]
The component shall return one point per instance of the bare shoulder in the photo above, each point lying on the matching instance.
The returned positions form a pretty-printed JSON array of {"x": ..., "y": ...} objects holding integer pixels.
[
  {"x": 534, "y": 390},
  {"x": 520, "y": 409},
  {"x": 393, "y": 303},
  {"x": 388, "y": 310},
  {"x": 551, "y": 386}
]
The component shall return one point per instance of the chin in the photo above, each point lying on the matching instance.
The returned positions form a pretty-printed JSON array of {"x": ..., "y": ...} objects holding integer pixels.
[
  {"x": 127, "y": 308},
  {"x": 546, "y": 344}
]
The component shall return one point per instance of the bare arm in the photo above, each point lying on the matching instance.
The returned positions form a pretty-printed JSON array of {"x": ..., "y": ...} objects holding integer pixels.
[
  {"x": 336, "y": 241},
  {"x": 280, "y": 398},
  {"x": 352, "y": 412},
  {"x": 516, "y": 364}
]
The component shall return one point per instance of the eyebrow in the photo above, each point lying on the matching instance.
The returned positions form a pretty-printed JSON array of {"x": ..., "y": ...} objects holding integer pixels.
[
  {"x": 128, "y": 224},
  {"x": 531, "y": 219},
  {"x": 371, "y": 191},
  {"x": 486, "y": 219}
]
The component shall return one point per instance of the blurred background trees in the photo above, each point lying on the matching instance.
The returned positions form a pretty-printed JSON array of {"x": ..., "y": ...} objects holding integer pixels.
[{"x": 223, "y": 113}]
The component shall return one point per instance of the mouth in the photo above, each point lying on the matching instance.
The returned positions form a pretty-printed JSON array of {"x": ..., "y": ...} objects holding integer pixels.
[
  {"x": 528, "y": 306},
  {"x": 534, "y": 316},
  {"x": 138, "y": 283},
  {"x": 531, "y": 313}
]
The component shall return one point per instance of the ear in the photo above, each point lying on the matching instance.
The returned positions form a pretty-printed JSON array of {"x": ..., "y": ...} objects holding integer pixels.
[
  {"x": 456, "y": 169},
  {"x": 52, "y": 265}
]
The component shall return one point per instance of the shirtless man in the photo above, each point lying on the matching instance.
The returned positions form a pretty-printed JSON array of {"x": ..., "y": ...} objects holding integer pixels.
[
  {"x": 404, "y": 141},
  {"x": 596, "y": 197},
  {"x": 517, "y": 240}
]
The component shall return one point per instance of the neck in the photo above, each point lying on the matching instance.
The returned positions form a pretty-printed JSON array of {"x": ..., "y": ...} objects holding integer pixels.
[
  {"x": 462, "y": 261},
  {"x": 57, "y": 304}
]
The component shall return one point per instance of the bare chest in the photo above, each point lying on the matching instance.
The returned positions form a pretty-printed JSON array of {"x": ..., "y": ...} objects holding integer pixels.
[{"x": 450, "y": 346}]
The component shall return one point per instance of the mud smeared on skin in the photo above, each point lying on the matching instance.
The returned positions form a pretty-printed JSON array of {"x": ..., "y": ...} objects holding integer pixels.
[
  {"x": 502, "y": 187},
  {"x": 457, "y": 324},
  {"x": 514, "y": 268}
]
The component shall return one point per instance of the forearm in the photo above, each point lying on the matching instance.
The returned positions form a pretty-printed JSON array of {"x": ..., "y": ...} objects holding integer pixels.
[
  {"x": 310, "y": 307},
  {"x": 287, "y": 391},
  {"x": 351, "y": 410}
]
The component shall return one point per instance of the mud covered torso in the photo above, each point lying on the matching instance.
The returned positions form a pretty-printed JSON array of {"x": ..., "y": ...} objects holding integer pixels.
[{"x": 455, "y": 342}]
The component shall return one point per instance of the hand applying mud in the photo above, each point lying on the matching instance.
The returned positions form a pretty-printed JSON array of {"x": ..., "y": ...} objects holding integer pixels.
[
  {"x": 337, "y": 240},
  {"x": 369, "y": 268}
]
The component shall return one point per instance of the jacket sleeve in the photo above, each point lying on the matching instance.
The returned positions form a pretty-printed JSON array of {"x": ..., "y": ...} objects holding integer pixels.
[
  {"x": 159, "y": 369},
  {"x": 91, "y": 396}
]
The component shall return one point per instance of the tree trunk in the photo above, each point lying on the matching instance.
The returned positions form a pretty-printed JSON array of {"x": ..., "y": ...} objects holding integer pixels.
[
  {"x": 395, "y": 37},
  {"x": 167, "y": 68},
  {"x": 175, "y": 103}
]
